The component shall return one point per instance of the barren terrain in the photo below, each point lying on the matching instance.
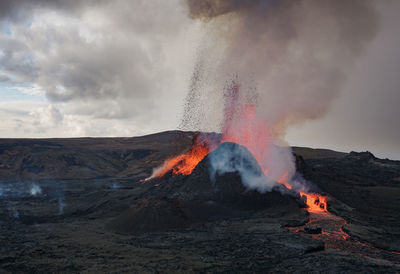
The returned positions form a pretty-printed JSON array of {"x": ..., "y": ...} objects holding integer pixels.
[{"x": 80, "y": 205}]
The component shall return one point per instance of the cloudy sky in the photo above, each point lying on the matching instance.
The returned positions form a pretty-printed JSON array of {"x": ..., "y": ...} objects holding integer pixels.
[{"x": 124, "y": 68}]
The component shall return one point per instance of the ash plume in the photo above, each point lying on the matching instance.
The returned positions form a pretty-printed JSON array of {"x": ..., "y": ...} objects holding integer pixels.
[{"x": 295, "y": 55}]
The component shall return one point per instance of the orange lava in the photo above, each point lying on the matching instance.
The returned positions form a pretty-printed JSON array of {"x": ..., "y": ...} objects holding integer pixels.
[
  {"x": 335, "y": 238},
  {"x": 242, "y": 126},
  {"x": 184, "y": 163},
  {"x": 315, "y": 202},
  {"x": 189, "y": 160}
]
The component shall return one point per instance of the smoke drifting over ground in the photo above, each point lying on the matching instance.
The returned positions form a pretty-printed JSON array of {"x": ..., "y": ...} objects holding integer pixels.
[{"x": 288, "y": 58}]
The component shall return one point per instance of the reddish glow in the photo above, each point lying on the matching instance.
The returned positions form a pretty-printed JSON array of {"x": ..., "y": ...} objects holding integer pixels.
[
  {"x": 188, "y": 161},
  {"x": 315, "y": 202},
  {"x": 283, "y": 180},
  {"x": 242, "y": 126},
  {"x": 249, "y": 132},
  {"x": 185, "y": 163}
]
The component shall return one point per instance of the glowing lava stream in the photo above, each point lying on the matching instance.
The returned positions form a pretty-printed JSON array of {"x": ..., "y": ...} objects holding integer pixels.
[
  {"x": 185, "y": 163},
  {"x": 241, "y": 126},
  {"x": 332, "y": 226},
  {"x": 335, "y": 238},
  {"x": 316, "y": 203}
]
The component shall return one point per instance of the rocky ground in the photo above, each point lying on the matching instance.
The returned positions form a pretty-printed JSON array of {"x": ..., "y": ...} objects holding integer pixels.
[
  {"x": 366, "y": 192},
  {"x": 78, "y": 205}
]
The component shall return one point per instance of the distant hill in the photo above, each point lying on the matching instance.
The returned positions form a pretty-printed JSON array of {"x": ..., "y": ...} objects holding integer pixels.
[
  {"x": 317, "y": 153},
  {"x": 87, "y": 158},
  {"x": 70, "y": 158}
]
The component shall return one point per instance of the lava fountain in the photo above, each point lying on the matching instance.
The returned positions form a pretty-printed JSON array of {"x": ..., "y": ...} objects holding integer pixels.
[
  {"x": 241, "y": 125},
  {"x": 184, "y": 163},
  {"x": 275, "y": 46}
]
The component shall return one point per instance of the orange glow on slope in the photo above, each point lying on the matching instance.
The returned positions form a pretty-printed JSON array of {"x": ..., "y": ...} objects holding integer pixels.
[
  {"x": 246, "y": 131},
  {"x": 315, "y": 202},
  {"x": 189, "y": 160},
  {"x": 184, "y": 163},
  {"x": 241, "y": 126}
]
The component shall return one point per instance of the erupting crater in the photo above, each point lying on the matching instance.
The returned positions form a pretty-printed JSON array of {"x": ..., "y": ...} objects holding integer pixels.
[
  {"x": 179, "y": 201},
  {"x": 241, "y": 125},
  {"x": 185, "y": 163}
]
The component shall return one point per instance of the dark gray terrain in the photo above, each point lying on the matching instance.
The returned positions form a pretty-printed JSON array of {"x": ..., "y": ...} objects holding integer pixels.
[{"x": 80, "y": 205}]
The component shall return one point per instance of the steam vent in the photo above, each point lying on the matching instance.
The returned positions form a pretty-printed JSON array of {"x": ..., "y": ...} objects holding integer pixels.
[{"x": 214, "y": 190}]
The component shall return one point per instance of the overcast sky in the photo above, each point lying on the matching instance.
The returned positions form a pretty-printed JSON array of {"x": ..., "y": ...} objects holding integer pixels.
[{"x": 123, "y": 68}]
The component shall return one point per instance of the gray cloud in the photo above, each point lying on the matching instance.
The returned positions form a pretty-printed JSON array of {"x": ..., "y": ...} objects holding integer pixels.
[
  {"x": 4, "y": 78},
  {"x": 366, "y": 116},
  {"x": 89, "y": 53},
  {"x": 15, "y": 59},
  {"x": 22, "y": 10}
]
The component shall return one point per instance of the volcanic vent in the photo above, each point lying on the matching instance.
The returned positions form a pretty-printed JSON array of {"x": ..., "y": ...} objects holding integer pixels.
[{"x": 211, "y": 191}]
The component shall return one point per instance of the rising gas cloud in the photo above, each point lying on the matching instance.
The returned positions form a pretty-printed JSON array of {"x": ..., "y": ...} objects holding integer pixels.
[
  {"x": 289, "y": 58},
  {"x": 294, "y": 55}
]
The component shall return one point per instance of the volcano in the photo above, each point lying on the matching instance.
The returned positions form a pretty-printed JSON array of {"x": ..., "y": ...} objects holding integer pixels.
[
  {"x": 219, "y": 187},
  {"x": 97, "y": 213},
  {"x": 222, "y": 175}
]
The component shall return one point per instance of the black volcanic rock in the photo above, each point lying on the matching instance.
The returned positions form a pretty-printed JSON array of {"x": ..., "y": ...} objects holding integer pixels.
[
  {"x": 366, "y": 155},
  {"x": 365, "y": 190},
  {"x": 151, "y": 215},
  {"x": 178, "y": 201},
  {"x": 224, "y": 185},
  {"x": 90, "y": 184},
  {"x": 312, "y": 230},
  {"x": 206, "y": 183},
  {"x": 88, "y": 158}
]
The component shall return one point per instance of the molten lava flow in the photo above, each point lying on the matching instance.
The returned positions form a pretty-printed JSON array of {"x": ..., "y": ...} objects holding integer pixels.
[
  {"x": 184, "y": 163},
  {"x": 241, "y": 125},
  {"x": 316, "y": 203},
  {"x": 188, "y": 161}
]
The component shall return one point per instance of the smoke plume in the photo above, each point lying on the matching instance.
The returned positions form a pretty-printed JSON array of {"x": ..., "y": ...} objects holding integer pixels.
[
  {"x": 295, "y": 54},
  {"x": 290, "y": 59}
]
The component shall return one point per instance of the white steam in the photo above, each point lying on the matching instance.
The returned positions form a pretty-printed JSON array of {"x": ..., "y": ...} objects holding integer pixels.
[
  {"x": 35, "y": 190},
  {"x": 229, "y": 158}
]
